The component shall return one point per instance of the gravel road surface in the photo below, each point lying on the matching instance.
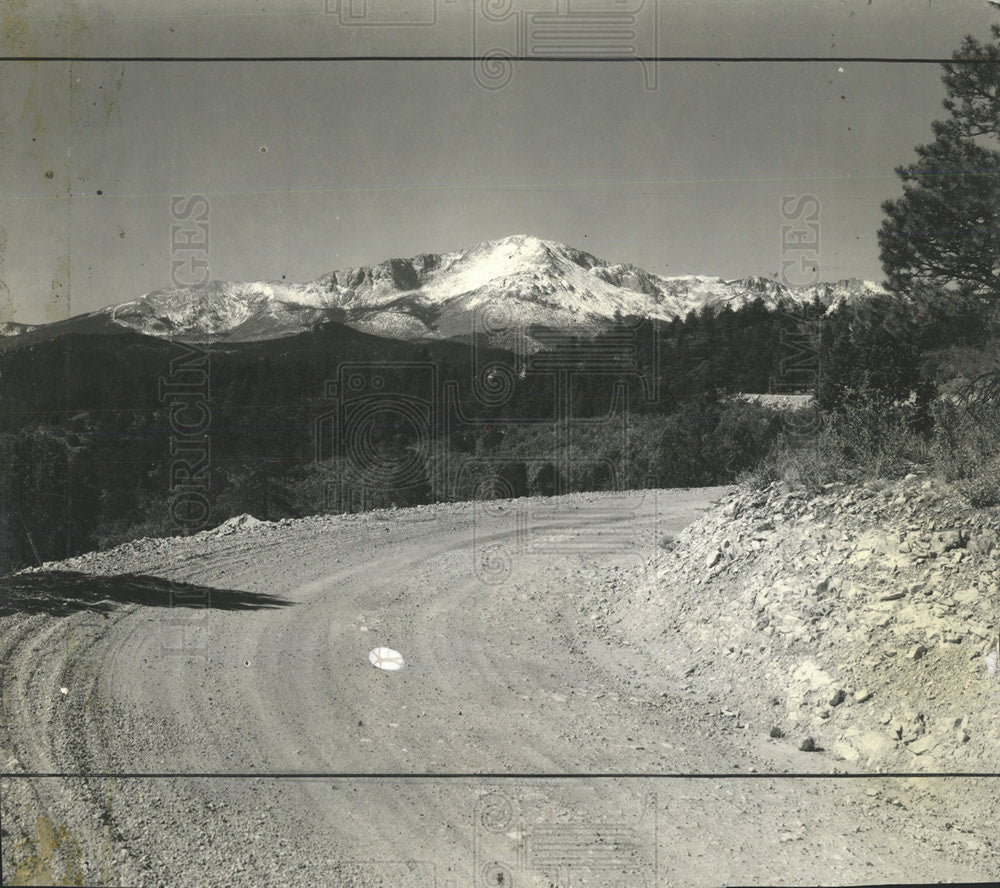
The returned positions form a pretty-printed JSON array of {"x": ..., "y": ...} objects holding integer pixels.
[{"x": 250, "y": 741}]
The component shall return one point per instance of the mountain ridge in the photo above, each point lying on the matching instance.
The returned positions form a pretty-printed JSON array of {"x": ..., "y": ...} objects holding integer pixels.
[{"x": 501, "y": 287}]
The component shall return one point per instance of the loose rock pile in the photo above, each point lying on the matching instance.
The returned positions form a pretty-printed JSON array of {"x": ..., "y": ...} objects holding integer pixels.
[
  {"x": 862, "y": 622},
  {"x": 244, "y": 523}
]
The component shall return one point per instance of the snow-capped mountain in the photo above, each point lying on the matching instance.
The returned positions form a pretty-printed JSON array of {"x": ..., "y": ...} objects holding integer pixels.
[
  {"x": 501, "y": 287},
  {"x": 12, "y": 328}
]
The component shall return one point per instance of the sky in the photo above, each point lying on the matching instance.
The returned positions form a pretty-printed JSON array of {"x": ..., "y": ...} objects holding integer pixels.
[{"x": 309, "y": 166}]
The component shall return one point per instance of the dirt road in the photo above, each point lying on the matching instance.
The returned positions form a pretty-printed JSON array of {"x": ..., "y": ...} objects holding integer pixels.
[{"x": 304, "y": 765}]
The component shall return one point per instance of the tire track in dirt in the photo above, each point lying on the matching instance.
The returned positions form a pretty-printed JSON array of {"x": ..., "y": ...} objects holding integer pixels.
[{"x": 500, "y": 678}]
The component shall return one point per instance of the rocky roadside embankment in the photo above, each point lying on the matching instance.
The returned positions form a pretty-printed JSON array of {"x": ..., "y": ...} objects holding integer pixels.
[
  {"x": 861, "y": 622},
  {"x": 508, "y": 677}
]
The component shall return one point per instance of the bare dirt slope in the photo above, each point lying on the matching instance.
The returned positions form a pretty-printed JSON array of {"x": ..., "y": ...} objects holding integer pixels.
[{"x": 508, "y": 614}]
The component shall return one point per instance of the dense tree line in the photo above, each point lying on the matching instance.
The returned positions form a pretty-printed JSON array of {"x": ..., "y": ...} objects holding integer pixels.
[
  {"x": 86, "y": 431},
  {"x": 336, "y": 420}
]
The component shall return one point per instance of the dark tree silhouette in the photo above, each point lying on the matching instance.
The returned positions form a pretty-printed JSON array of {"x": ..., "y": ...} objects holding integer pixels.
[{"x": 943, "y": 234}]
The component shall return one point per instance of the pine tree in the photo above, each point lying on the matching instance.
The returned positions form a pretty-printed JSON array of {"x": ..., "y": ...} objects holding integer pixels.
[{"x": 943, "y": 234}]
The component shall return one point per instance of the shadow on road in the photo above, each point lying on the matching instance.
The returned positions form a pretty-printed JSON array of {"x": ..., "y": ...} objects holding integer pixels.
[{"x": 62, "y": 592}]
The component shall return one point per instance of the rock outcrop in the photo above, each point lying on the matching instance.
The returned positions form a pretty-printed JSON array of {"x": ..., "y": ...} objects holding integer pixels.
[{"x": 864, "y": 618}]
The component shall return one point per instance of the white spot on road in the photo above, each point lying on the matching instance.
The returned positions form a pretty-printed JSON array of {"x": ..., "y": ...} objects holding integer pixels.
[{"x": 386, "y": 658}]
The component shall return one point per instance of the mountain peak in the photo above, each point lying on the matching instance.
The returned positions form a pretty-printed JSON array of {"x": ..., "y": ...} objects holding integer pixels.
[
  {"x": 528, "y": 247},
  {"x": 513, "y": 284}
]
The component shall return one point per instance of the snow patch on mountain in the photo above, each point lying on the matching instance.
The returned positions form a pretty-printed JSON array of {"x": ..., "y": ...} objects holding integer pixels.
[{"x": 13, "y": 328}]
